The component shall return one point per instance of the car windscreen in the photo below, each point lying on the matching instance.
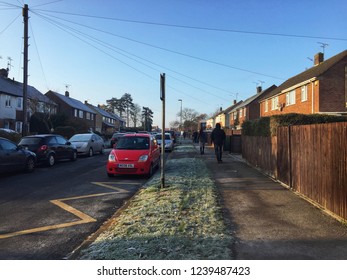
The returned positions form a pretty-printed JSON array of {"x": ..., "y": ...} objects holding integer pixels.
[
  {"x": 80, "y": 138},
  {"x": 133, "y": 143}
]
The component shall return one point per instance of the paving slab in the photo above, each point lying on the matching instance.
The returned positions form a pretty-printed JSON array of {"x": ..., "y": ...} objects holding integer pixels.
[{"x": 269, "y": 221}]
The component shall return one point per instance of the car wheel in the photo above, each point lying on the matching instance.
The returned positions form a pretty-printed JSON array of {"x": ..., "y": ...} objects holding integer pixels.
[
  {"x": 30, "y": 165},
  {"x": 150, "y": 172},
  {"x": 102, "y": 150},
  {"x": 50, "y": 160},
  {"x": 91, "y": 153},
  {"x": 74, "y": 156}
]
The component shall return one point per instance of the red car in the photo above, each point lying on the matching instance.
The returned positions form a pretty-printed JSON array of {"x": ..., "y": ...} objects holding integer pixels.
[{"x": 134, "y": 154}]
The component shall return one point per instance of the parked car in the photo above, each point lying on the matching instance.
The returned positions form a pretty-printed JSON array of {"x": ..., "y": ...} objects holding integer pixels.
[
  {"x": 173, "y": 135},
  {"x": 115, "y": 137},
  {"x": 134, "y": 154},
  {"x": 169, "y": 142},
  {"x": 88, "y": 143},
  {"x": 14, "y": 157},
  {"x": 49, "y": 148}
]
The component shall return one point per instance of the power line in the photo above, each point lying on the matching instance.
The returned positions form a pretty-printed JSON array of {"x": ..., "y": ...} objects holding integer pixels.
[
  {"x": 2, "y": 31},
  {"x": 38, "y": 54},
  {"x": 175, "y": 52},
  {"x": 200, "y": 27},
  {"x": 111, "y": 47},
  {"x": 64, "y": 28}
]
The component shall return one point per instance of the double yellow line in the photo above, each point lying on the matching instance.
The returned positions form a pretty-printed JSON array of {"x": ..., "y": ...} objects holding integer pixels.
[{"x": 84, "y": 218}]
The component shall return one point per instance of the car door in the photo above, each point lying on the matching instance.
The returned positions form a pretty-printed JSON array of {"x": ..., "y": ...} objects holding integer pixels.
[
  {"x": 62, "y": 149},
  {"x": 96, "y": 144},
  {"x": 154, "y": 150},
  {"x": 10, "y": 156}
]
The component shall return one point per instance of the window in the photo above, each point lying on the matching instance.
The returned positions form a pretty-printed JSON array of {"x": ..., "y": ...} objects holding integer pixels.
[
  {"x": 274, "y": 103},
  {"x": 19, "y": 127},
  {"x": 304, "y": 93},
  {"x": 241, "y": 112},
  {"x": 61, "y": 140},
  {"x": 75, "y": 113},
  {"x": 19, "y": 103},
  {"x": 244, "y": 112},
  {"x": 88, "y": 116},
  {"x": 92, "y": 117},
  {"x": 80, "y": 114},
  {"x": 290, "y": 97},
  {"x": 8, "y": 101},
  {"x": 266, "y": 109}
]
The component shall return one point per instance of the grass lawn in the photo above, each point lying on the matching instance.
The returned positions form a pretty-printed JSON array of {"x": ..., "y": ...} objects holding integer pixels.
[{"x": 181, "y": 221}]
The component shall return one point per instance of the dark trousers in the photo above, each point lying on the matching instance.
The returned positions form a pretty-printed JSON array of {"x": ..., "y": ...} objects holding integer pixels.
[{"x": 218, "y": 150}]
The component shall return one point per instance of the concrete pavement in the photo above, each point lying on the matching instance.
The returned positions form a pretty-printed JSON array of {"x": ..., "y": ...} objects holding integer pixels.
[{"x": 268, "y": 220}]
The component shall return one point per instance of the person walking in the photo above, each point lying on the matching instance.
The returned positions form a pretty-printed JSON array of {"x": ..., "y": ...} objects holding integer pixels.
[
  {"x": 218, "y": 138},
  {"x": 202, "y": 138}
]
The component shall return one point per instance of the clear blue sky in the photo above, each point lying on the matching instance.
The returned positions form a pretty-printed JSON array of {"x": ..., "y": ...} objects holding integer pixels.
[{"x": 212, "y": 52}]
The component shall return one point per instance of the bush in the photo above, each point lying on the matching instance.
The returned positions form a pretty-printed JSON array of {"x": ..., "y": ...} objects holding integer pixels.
[
  {"x": 267, "y": 126},
  {"x": 13, "y": 136},
  {"x": 66, "y": 131}
]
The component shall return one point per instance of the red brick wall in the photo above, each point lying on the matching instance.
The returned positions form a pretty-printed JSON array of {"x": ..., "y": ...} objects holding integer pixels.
[{"x": 332, "y": 86}]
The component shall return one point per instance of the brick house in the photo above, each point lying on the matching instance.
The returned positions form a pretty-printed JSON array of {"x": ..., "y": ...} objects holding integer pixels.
[
  {"x": 73, "y": 108},
  {"x": 321, "y": 89},
  {"x": 11, "y": 103},
  {"x": 228, "y": 115},
  {"x": 248, "y": 109},
  {"x": 106, "y": 123}
]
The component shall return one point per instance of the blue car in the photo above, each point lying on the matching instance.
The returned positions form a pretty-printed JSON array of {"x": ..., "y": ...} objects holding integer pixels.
[{"x": 14, "y": 157}]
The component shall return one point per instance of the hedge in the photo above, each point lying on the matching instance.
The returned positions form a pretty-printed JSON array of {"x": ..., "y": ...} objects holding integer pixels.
[{"x": 267, "y": 126}]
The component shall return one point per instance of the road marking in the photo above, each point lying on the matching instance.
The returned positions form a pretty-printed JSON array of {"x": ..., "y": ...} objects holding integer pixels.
[
  {"x": 84, "y": 218},
  {"x": 110, "y": 186}
]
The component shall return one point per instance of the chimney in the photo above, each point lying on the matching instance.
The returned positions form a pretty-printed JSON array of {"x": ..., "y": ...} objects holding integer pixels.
[
  {"x": 318, "y": 58},
  {"x": 259, "y": 89},
  {"x": 86, "y": 102},
  {"x": 4, "y": 73},
  {"x": 67, "y": 94},
  {"x": 234, "y": 102}
]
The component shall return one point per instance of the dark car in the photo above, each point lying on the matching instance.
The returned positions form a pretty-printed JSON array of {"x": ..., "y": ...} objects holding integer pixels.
[
  {"x": 49, "y": 148},
  {"x": 13, "y": 157}
]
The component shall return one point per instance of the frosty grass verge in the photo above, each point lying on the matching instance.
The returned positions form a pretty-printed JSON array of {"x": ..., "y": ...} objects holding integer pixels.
[{"x": 182, "y": 221}]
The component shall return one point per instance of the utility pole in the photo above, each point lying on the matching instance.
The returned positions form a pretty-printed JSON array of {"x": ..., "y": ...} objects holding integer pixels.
[{"x": 25, "y": 71}]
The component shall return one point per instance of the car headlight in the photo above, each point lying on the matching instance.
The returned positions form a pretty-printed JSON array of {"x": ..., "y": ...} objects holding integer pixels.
[
  {"x": 112, "y": 157},
  {"x": 143, "y": 158}
]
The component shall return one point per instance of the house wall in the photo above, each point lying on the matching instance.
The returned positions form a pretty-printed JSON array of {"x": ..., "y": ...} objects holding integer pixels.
[
  {"x": 300, "y": 106},
  {"x": 333, "y": 90},
  {"x": 69, "y": 111}
]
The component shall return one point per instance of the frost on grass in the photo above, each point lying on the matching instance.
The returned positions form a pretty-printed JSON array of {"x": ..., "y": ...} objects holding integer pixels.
[{"x": 181, "y": 221}]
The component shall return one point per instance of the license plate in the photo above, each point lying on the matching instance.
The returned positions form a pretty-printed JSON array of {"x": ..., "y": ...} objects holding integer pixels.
[{"x": 125, "y": 165}]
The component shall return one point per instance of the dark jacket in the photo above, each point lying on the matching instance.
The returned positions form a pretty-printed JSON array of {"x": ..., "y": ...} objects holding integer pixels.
[
  {"x": 218, "y": 136},
  {"x": 202, "y": 137}
]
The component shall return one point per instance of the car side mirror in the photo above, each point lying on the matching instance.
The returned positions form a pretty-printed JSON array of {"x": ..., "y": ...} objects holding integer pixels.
[{"x": 68, "y": 143}]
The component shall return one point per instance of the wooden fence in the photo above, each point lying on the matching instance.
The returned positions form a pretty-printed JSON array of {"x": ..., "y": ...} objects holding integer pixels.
[{"x": 310, "y": 159}]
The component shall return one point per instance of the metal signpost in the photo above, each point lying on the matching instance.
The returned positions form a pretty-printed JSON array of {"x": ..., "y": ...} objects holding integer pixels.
[{"x": 162, "y": 98}]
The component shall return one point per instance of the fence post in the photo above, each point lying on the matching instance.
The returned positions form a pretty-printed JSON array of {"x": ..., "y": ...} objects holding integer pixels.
[{"x": 290, "y": 156}]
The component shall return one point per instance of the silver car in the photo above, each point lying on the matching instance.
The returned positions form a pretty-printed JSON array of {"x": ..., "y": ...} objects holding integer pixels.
[{"x": 88, "y": 143}]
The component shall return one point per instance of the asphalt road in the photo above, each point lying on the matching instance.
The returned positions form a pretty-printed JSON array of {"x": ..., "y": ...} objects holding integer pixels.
[{"x": 48, "y": 213}]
